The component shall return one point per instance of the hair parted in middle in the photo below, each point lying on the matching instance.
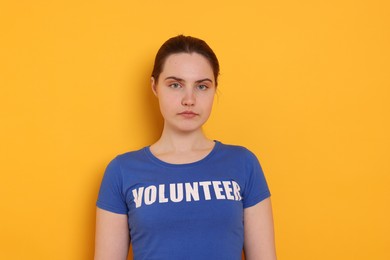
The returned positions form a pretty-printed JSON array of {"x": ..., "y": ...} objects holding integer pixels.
[{"x": 184, "y": 44}]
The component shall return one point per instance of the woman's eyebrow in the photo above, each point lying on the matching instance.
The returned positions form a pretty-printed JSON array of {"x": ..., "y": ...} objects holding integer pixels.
[
  {"x": 206, "y": 79},
  {"x": 175, "y": 78},
  {"x": 182, "y": 80}
]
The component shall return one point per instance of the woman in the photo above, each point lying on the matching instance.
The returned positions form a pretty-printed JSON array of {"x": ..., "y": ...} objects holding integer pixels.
[{"x": 185, "y": 196}]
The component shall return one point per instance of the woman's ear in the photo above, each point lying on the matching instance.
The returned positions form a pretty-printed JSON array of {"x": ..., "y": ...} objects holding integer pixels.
[{"x": 153, "y": 84}]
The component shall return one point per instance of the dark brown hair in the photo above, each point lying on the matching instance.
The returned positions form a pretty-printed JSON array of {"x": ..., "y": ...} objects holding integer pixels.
[{"x": 184, "y": 44}]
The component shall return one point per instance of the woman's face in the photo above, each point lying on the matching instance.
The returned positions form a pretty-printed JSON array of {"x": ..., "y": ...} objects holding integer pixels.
[{"x": 185, "y": 90}]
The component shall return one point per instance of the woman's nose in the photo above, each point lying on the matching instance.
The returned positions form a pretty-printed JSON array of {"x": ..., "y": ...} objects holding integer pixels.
[{"x": 188, "y": 98}]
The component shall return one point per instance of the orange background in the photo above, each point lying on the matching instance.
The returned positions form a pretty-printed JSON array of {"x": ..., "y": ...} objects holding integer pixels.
[{"x": 304, "y": 84}]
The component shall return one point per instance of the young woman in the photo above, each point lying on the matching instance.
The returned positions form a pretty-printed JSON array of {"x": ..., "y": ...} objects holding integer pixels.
[{"x": 185, "y": 196}]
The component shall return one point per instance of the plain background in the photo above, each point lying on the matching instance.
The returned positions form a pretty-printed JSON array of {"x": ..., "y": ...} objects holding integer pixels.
[{"x": 304, "y": 84}]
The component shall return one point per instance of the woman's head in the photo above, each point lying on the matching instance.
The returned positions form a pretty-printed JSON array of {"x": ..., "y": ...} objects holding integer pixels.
[{"x": 184, "y": 44}]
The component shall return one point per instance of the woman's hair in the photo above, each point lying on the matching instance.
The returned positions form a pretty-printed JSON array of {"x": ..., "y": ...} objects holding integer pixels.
[{"x": 184, "y": 44}]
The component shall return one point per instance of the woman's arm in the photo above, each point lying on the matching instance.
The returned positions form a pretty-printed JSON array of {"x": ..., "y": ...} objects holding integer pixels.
[
  {"x": 259, "y": 242},
  {"x": 112, "y": 236}
]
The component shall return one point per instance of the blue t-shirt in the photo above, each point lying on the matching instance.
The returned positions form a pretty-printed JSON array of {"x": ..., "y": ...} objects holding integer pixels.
[{"x": 184, "y": 211}]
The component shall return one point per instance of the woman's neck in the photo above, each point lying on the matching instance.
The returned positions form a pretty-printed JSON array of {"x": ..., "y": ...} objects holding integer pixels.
[
  {"x": 179, "y": 148},
  {"x": 181, "y": 142}
]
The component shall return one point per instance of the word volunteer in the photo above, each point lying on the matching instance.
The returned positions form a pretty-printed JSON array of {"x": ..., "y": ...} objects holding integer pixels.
[{"x": 188, "y": 191}]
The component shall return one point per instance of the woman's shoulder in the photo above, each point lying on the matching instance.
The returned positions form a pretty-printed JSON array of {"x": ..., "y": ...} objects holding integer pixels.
[
  {"x": 133, "y": 155},
  {"x": 236, "y": 149}
]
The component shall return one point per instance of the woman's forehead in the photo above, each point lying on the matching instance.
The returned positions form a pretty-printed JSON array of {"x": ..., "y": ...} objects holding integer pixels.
[{"x": 187, "y": 64}]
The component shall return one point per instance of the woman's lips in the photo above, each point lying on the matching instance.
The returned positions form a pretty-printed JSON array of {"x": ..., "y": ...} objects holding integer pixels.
[{"x": 188, "y": 114}]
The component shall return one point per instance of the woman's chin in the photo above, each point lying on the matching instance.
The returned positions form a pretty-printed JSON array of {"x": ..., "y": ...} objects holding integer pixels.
[{"x": 185, "y": 127}]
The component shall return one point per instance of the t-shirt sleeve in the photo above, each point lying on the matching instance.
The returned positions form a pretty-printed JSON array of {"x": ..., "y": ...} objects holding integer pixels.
[
  {"x": 111, "y": 195},
  {"x": 256, "y": 187}
]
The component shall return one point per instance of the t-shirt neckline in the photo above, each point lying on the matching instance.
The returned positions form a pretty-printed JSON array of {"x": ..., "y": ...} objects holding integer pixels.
[{"x": 151, "y": 156}]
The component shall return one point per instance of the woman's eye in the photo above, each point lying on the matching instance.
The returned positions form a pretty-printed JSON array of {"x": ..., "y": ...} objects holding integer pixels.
[
  {"x": 175, "y": 85},
  {"x": 202, "y": 87}
]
